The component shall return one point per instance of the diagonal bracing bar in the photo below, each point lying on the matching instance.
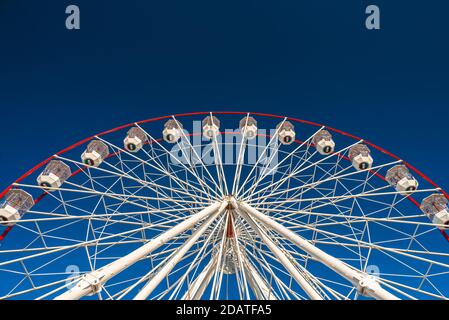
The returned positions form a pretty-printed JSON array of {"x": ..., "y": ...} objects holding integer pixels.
[
  {"x": 199, "y": 285},
  {"x": 261, "y": 289},
  {"x": 179, "y": 254},
  {"x": 283, "y": 259},
  {"x": 365, "y": 284},
  {"x": 92, "y": 282}
]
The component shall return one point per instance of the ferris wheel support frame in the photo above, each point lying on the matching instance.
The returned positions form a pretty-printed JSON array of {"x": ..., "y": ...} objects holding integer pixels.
[
  {"x": 92, "y": 282},
  {"x": 199, "y": 285},
  {"x": 358, "y": 278},
  {"x": 260, "y": 288},
  {"x": 283, "y": 259},
  {"x": 177, "y": 257}
]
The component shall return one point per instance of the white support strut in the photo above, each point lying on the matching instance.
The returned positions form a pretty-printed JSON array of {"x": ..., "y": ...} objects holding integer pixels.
[
  {"x": 283, "y": 259},
  {"x": 199, "y": 285},
  {"x": 92, "y": 282},
  {"x": 179, "y": 254},
  {"x": 365, "y": 284},
  {"x": 261, "y": 289}
]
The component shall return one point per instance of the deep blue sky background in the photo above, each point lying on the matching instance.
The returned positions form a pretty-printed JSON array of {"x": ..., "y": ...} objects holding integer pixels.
[{"x": 138, "y": 59}]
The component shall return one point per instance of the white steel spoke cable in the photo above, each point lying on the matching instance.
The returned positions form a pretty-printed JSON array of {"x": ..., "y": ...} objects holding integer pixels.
[
  {"x": 288, "y": 156},
  {"x": 64, "y": 248},
  {"x": 107, "y": 272},
  {"x": 123, "y": 293},
  {"x": 240, "y": 158},
  {"x": 163, "y": 195},
  {"x": 173, "y": 216},
  {"x": 150, "y": 185},
  {"x": 169, "y": 265},
  {"x": 306, "y": 275},
  {"x": 287, "y": 217},
  {"x": 324, "y": 220},
  {"x": 178, "y": 181},
  {"x": 267, "y": 267},
  {"x": 45, "y": 286},
  {"x": 198, "y": 258},
  {"x": 143, "y": 162},
  {"x": 373, "y": 289},
  {"x": 334, "y": 177},
  {"x": 298, "y": 194},
  {"x": 302, "y": 169},
  {"x": 271, "y": 189},
  {"x": 345, "y": 197},
  {"x": 405, "y": 252},
  {"x": 303, "y": 161},
  {"x": 77, "y": 245},
  {"x": 238, "y": 254},
  {"x": 305, "y": 285},
  {"x": 218, "y": 273},
  {"x": 122, "y": 197},
  {"x": 171, "y": 172},
  {"x": 219, "y": 164},
  {"x": 326, "y": 203},
  {"x": 258, "y": 284},
  {"x": 201, "y": 181},
  {"x": 352, "y": 219},
  {"x": 196, "y": 290},
  {"x": 197, "y": 287},
  {"x": 93, "y": 260},
  {"x": 265, "y": 150},
  {"x": 200, "y": 159}
]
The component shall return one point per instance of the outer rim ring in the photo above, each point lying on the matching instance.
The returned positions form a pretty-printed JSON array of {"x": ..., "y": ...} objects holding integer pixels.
[{"x": 268, "y": 115}]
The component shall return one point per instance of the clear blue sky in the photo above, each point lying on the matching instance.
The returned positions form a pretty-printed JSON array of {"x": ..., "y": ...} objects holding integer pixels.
[{"x": 308, "y": 59}]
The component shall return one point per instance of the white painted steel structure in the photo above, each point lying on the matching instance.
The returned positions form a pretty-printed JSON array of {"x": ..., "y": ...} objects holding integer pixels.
[{"x": 241, "y": 216}]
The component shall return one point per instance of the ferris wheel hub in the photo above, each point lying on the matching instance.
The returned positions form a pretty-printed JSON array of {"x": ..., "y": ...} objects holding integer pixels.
[{"x": 232, "y": 203}]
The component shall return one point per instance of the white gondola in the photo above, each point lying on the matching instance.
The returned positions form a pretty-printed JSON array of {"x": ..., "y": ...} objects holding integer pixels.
[
  {"x": 95, "y": 153},
  {"x": 135, "y": 139},
  {"x": 360, "y": 156},
  {"x": 248, "y": 127},
  {"x": 15, "y": 204},
  {"x": 54, "y": 175},
  {"x": 211, "y": 127},
  {"x": 172, "y": 131},
  {"x": 286, "y": 132},
  {"x": 324, "y": 143},
  {"x": 435, "y": 207},
  {"x": 400, "y": 178}
]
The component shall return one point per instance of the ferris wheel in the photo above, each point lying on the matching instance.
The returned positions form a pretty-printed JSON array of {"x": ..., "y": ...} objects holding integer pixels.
[{"x": 180, "y": 207}]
